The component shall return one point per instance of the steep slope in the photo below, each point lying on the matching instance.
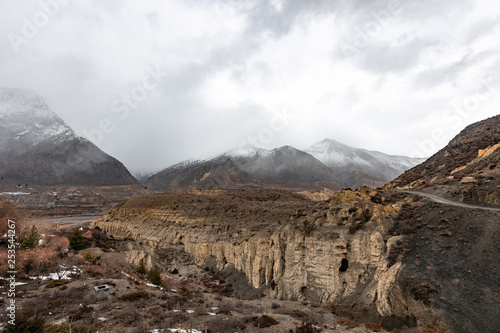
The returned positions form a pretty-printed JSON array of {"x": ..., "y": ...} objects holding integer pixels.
[
  {"x": 38, "y": 148},
  {"x": 357, "y": 167},
  {"x": 284, "y": 167},
  {"x": 467, "y": 169}
]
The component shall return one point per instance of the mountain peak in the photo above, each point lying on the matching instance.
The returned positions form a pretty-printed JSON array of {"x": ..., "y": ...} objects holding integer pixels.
[
  {"x": 246, "y": 150},
  {"x": 37, "y": 147},
  {"x": 26, "y": 117},
  {"x": 365, "y": 164}
]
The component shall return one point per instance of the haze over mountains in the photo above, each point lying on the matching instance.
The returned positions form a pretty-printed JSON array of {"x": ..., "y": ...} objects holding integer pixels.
[{"x": 38, "y": 148}]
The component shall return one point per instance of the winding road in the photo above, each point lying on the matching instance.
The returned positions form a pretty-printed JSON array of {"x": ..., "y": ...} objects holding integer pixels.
[{"x": 444, "y": 201}]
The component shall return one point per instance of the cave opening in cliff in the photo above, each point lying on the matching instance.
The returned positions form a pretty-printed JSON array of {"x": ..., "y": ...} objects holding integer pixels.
[{"x": 344, "y": 265}]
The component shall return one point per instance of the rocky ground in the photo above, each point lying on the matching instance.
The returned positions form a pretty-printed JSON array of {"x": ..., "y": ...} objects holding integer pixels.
[
  {"x": 364, "y": 261},
  {"x": 190, "y": 299},
  {"x": 371, "y": 256}
]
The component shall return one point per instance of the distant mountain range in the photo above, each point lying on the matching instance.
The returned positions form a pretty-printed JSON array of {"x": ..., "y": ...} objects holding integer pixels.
[
  {"x": 38, "y": 148},
  {"x": 327, "y": 164}
]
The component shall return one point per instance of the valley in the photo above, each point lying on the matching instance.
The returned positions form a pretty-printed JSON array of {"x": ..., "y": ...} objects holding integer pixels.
[{"x": 331, "y": 238}]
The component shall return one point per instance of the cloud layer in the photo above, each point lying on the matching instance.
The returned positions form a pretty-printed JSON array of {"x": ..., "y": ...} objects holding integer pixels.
[{"x": 156, "y": 82}]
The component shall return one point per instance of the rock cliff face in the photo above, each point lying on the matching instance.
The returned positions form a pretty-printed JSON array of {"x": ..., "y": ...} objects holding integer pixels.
[{"x": 333, "y": 252}]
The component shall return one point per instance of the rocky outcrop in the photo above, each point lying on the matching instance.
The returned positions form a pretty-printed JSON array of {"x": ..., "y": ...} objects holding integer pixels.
[
  {"x": 467, "y": 168},
  {"x": 325, "y": 253}
]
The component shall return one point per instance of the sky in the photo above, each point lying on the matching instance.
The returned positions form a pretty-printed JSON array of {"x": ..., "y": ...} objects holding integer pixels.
[{"x": 156, "y": 82}]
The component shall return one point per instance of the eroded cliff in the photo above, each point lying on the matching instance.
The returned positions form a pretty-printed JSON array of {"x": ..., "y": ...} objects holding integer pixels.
[{"x": 334, "y": 252}]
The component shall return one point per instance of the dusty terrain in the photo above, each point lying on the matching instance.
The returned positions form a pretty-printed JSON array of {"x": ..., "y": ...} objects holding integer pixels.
[
  {"x": 370, "y": 256},
  {"x": 190, "y": 296},
  {"x": 53, "y": 201}
]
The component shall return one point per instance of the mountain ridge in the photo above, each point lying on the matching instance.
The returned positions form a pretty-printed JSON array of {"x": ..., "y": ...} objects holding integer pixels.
[{"x": 286, "y": 167}]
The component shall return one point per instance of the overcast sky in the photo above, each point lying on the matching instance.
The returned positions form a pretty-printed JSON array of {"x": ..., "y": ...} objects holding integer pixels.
[{"x": 155, "y": 82}]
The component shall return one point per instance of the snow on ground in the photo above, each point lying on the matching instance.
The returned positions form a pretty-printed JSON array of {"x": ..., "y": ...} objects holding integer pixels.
[{"x": 63, "y": 274}]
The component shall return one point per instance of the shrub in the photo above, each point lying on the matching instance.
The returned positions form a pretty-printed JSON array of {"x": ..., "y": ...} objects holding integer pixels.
[
  {"x": 422, "y": 292},
  {"x": 57, "y": 283},
  {"x": 26, "y": 322},
  {"x": 225, "y": 312},
  {"x": 265, "y": 321},
  {"x": 31, "y": 240},
  {"x": 141, "y": 269},
  {"x": 90, "y": 258},
  {"x": 76, "y": 241},
  {"x": 374, "y": 327},
  {"x": 307, "y": 328},
  {"x": 154, "y": 276},
  {"x": 131, "y": 297},
  {"x": 59, "y": 243}
]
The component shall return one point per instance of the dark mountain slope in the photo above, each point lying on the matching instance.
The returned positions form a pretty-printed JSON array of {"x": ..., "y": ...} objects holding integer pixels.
[{"x": 38, "y": 148}]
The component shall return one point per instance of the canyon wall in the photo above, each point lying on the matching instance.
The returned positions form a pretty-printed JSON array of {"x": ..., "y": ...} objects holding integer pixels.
[{"x": 333, "y": 252}]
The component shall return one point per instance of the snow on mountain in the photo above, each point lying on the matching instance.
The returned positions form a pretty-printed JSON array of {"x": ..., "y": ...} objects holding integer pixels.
[
  {"x": 27, "y": 118},
  {"x": 248, "y": 150},
  {"x": 327, "y": 164},
  {"x": 37, "y": 147},
  {"x": 339, "y": 157}
]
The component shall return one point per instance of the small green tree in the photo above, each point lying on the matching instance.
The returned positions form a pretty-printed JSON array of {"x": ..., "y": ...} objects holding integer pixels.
[
  {"x": 141, "y": 269},
  {"x": 76, "y": 241},
  {"x": 31, "y": 240},
  {"x": 154, "y": 276}
]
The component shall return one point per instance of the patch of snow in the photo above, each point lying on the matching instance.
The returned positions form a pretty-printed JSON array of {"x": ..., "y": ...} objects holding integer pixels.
[
  {"x": 63, "y": 274},
  {"x": 211, "y": 314},
  {"x": 248, "y": 151},
  {"x": 190, "y": 311},
  {"x": 15, "y": 193},
  {"x": 102, "y": 319}
]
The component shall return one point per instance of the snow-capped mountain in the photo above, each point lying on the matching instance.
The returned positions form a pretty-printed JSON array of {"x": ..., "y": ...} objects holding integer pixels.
[
  {"x": 38, "y": 148},
  {"x": 356, "y": 166},
  {"x": 327, "y": 164},
  {"x": 248, "y": 166}
]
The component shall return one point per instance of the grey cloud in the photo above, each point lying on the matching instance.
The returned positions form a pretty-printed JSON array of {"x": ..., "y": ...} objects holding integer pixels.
[
  {"x": 383, "y": 58},
  {"x": 79, "y": 77}
]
